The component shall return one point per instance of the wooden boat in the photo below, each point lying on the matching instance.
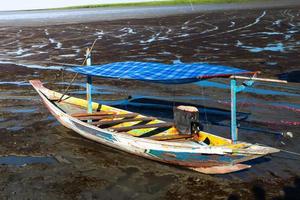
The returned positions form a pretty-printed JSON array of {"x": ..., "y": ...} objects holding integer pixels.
[{"x": 150, "y": 137}]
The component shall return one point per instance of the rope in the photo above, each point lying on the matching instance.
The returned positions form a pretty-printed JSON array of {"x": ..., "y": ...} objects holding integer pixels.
[
  {"x": 290, "y": 152},
  {"x": 204, "y": 108},
  {"x": 75, "y": 76},
  {"x": 243, "y": 103},
  {"x": 286, "y": 151}
]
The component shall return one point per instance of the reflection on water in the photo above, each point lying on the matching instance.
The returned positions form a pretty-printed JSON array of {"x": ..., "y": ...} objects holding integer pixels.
[{"x": 25, "y": 160}]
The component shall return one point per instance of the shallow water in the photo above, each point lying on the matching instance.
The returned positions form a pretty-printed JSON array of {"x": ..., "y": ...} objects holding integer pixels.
[
  {"x": 25, "y": 160},
  {"x": 262, "y": 39}
]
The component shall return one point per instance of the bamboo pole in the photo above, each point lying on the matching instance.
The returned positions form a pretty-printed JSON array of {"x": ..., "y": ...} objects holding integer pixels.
[{"x": 258, "y": 79}]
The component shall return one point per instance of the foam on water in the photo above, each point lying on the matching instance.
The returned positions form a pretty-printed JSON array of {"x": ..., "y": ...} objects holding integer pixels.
[
  {"x": 25, "y": 55},
  {"x": 67, "y": 55},
  {"x": 232, "y": 24},
  {"x": 19, "y": 83},
  {"x": 58, "y": 44},
  {"x": 152, "y": 39},
  {"x": 257, "y": 20},
  {"x": 277, "y": 47},
  {"x": 39, "y": 46}
]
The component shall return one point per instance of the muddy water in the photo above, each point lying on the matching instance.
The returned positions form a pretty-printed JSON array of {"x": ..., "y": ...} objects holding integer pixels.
[{"x": 261, "y": 40}]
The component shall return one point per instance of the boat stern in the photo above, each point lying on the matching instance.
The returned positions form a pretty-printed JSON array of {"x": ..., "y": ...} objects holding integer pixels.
[{"x": 256, "y": 149}]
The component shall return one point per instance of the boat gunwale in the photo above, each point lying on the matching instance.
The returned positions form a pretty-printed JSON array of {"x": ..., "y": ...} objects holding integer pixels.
[{"x": 125, "y": 135}]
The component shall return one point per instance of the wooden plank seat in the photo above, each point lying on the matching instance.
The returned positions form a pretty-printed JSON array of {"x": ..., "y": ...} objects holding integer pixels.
[
  {"x": 108, "y": 116},
  {"x": 157, "y": 125},
  {"x": 118, "y": 121},
  {"x": 172, "y": 137}
]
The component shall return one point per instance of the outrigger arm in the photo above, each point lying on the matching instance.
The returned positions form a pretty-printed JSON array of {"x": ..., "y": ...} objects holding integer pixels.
[{"x": 236, "y": 89}]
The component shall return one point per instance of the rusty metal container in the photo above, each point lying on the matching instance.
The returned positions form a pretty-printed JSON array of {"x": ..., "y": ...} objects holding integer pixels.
[{"x": 186, "y": 119}]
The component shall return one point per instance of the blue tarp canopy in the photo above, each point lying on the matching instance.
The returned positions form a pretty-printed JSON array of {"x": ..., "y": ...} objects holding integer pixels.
[{"x": 158, "y": 72}]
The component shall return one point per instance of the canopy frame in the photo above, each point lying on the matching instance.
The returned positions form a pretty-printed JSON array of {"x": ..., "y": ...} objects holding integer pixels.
[
  {"x": 233, "y": 87},
  {"x": 89, "y": 83},
  {"x": 234, "y": 90}
]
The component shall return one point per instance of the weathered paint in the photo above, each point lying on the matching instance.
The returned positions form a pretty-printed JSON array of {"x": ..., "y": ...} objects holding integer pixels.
[
  {"x": 224, "y": 169},
  {"x": 192, "y": 157},
  {"x": 214, "y": 140},
  {"x": 106, "y": 136},
  {"x": 187, "y": 154},
  {"x": 234, "y": 136},
  {"x": 234, "y": 90},
  {"x": 89, "y": 94}
]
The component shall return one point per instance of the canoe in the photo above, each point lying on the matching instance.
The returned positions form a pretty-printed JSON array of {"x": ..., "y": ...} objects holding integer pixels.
[{"x": 150, "y": 137}]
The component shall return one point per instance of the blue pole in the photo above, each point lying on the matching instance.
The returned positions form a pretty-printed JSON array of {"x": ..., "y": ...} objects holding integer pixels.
[
  {"x": 89, "y": 94},
  {"x": 234, "y": 136},
  {"x": 89, "y": 83}
]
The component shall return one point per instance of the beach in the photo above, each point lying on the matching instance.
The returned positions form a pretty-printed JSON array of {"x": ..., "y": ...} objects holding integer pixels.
[{"x": 49, "y": 161}]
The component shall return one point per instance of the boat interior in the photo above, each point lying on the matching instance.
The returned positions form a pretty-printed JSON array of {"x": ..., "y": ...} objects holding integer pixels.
[{"x": 134, "y": 124}]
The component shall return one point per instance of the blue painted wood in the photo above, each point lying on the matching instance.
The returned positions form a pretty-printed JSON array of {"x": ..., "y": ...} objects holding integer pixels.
[
  {"x": 193, "y": 157},
  {"x": 233, "y": 86},
  {"x": 244, "y": 85},
  {"x": 234, "y": 90},
  {"x": 106, "y": 136},
  {"x": 89, "y": 94}
]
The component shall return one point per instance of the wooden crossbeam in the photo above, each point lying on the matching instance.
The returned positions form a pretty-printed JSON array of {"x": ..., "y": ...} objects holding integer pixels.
[
  {"x": 111, "y": 116},
  {"x": 258, "y": 79},
  {"x": 111, "y": 122},
  {"x": 100, "y": 113},
  {"x": 157, "y": 125},
  {"x": 171, "y": 137}
]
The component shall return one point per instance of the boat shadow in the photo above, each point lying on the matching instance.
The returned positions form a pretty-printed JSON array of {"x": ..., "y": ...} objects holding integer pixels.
[
  {"x": 293, "y": 76},
  {"x": 163, "y": 109}
]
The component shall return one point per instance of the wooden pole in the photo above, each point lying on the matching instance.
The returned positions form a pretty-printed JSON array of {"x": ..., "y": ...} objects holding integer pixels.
[{"x": 258, "y": 79}]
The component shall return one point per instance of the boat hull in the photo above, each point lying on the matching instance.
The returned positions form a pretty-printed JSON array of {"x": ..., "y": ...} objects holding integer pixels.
[{"x": 206, "y": 159}]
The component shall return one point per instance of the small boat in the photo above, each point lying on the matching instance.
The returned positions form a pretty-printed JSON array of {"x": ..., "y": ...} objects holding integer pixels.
[{"x": 180, "y": 143}]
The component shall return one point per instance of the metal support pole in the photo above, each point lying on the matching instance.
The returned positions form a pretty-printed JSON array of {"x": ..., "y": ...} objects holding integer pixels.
[
  {"x": 234, "y": 136},
  {"x": 89, "y": 83},
  {"x": 89, "y": 94}
]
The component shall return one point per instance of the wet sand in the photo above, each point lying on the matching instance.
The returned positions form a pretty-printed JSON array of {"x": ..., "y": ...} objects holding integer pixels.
[{"x": 254, "y": 39}]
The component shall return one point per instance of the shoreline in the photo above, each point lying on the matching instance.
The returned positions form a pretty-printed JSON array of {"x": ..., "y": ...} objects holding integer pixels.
[
  {"x": 123, "y": 4},
  {"x": 85, "y": 15},
  {"x": 158, "y": 3}
]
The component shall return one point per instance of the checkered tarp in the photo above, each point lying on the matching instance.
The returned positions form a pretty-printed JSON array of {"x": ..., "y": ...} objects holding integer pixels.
[{"x": 158, "y": 72}]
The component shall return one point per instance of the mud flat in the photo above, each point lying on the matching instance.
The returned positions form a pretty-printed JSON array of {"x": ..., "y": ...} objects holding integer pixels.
[{"x": 265, "y": 39}]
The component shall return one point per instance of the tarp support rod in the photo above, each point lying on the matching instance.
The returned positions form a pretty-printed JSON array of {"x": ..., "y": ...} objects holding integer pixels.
[
  {"x": 234, "y": 136},
  {"x": 234, "y": 90},
  {"x": 89, "y": 83},
  {"x": 259, "y": 79}
]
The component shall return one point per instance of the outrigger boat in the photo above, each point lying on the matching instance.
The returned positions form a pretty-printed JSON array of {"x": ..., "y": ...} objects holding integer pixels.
[{"x": 181, "y": 142}]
